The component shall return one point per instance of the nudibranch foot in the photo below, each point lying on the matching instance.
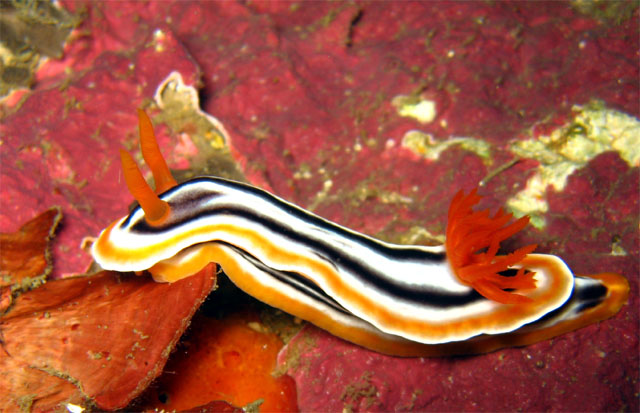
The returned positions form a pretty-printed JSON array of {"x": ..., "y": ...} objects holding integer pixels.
[{"x": 398, "y": 299}]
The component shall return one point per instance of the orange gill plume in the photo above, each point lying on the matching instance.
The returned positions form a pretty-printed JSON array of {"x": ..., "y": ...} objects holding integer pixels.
[{"x": 472, "y": 242}]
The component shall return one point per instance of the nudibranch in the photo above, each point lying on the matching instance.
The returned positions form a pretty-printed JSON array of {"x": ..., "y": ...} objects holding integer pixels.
[{"x": 408, "y": 300}]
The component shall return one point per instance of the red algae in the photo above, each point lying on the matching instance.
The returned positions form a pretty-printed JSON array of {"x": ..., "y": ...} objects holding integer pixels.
[{"x": 225, "y": 360}]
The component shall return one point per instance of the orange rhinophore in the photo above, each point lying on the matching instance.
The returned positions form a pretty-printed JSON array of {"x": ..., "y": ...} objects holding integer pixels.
[
  {"x": 152, "y": 155},
  {"x": 156, "y": 210}
]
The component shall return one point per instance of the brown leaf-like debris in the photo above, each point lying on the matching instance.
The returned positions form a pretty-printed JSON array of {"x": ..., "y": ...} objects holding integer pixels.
[
  {"x": 109, "y": 335},
  {"x": 24, "y": 255}
]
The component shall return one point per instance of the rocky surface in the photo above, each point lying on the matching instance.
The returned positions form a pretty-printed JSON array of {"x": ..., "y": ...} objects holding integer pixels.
[{"x": 319, "y": 101}]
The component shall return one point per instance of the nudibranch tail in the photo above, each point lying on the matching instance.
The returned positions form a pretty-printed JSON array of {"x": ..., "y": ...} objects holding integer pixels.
[
  {"x": 152, "y": 155},
  {"x": 469, "y": 233}
]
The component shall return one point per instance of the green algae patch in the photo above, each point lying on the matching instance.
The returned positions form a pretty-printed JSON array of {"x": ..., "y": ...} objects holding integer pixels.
[
  {"x": 427, "y": 146},
  {"x": 423, "y": 110},
  {"x": 594, "y": 130}
]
